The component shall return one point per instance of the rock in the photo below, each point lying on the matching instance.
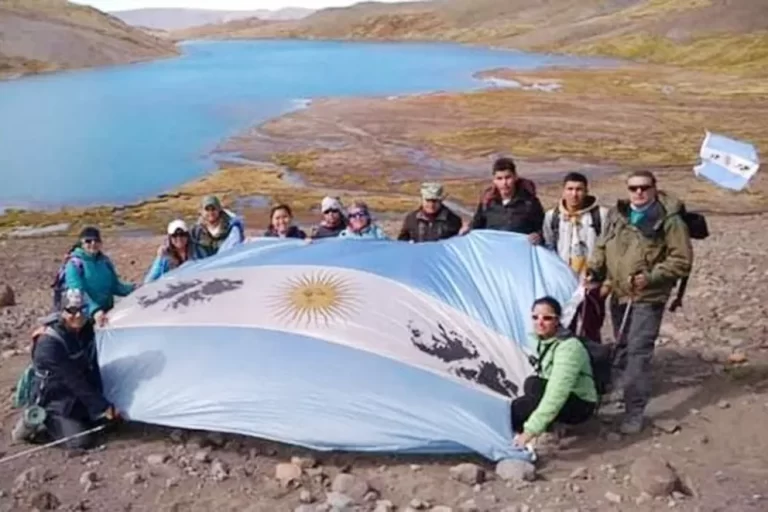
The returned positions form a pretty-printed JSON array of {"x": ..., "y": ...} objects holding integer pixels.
[
  {"x": 643, "y": 498},
  {"x": 171, "y": 482},
  {"x": 203, "y": 456},
  {"x": 441, "y": 508},
  {"x": 29, "y": 478},
  {"x": 305, "y": 508},
  {"x": 176, "y": 436},
  {"x": 516, "y": 470},
  {"x": 418, "y": 504},
  {"x": 287, "y": 474},
  {"x": 157, "y": 459},
  {"x": 133, "y": 477},
  {"x": 724, "y": 404},
  {"x": 613, "y": 497},
  {"x": 667, "y": 426},
  {"x": 415, "y": 467},
  {"x": 737, "y": 358},
  {"x": 703, "y": 439},
  {"x": 339, "y": 501},
  {"x": 7, "y": 297},
  {"x": 580, "y": 473},
  {"x": 468, "y": 506},
  {"x": 305, "y": 497},
  {"x": 88, "y": 477},
  {"x": 304, "y": 462},
  {"x": 219, "y": 471},
  {"x": 468, "y": 473},
  {"x": 351, "y": 485},
  {"x": 44, "y": 501},
  {"x": 215, "y": 439},
  {"x": 653, "y": 475},
  {"x": 384, "y": 506}
]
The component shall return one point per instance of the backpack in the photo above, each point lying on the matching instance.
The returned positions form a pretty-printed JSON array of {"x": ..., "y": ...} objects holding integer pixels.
[
  {"x": 59, "y": 283},
  {"x": 597, "y": 223},
  {"x": 697, "y": 230},
  {"x": 31, "y": 381}
]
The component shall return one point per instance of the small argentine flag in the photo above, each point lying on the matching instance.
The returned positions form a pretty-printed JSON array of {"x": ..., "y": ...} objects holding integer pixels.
[{"x": 727, "y": 162}]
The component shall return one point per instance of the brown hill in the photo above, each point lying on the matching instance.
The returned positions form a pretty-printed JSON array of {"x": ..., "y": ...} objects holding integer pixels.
[
  {"x": 702, "y": 33},
  {"x": 47, "y": 35}
]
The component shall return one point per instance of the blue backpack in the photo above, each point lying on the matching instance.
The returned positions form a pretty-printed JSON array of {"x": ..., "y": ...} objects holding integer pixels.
[{"x": 59, "y": 283}]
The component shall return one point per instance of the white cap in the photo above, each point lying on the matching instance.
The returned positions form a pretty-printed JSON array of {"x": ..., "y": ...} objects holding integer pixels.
[
  {"x": 330, "y": 203},
  {"x": 177, "y": 225}
]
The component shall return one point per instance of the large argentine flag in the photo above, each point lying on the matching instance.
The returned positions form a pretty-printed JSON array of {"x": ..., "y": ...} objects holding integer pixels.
[
  {"x": 727, "y": 162},
  {"x": 359, "y": 345}
]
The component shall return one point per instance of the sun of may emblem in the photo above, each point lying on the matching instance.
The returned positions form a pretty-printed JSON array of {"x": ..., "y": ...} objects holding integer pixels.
[{"x": 314, "y": 300}]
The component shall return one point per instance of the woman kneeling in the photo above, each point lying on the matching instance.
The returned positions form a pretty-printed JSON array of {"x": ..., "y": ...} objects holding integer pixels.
[{"x": 563, "y": 388}]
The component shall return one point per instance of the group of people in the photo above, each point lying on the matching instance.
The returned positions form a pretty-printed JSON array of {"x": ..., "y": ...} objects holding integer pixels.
[{"x": 630, "y": 255}]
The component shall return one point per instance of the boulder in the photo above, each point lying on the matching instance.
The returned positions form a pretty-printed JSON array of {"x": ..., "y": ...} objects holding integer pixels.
[{"x": 653, "y": 476}]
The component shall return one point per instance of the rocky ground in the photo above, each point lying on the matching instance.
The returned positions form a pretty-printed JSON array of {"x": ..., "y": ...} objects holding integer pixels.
[{"x": 705, "y": 451}]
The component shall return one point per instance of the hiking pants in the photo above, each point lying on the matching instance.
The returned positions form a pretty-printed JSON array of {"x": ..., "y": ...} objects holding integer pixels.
[
  {"x": 60, "y": 426},
  {"x": 634, "y": 351},
  {"x": 592, "y": 311},
  {"x": 574, "y": 411}
]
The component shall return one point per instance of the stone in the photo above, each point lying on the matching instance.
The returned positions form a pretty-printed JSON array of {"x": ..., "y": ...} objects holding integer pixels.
[
  {"x": 305, "y": 508},
  {"x": 351, "y": 485},
  {"x": 157, "y": 459},
  {"x": 215, "y": 439},
  {"x": 468, "y": 473},
  {"x": 133, "y": 477},
  {"x": 653, "y": 475},
  {"x": 724, "y": 404},
  {"x": 418, "y": 504},
  {"x": 468, "y": 506},
  {"x": 737, "y": 358},
  {"x": 219, "y": 471},
  {"x": 516, "y": 470},
  {"x": 441, "y": 508},
  {"x": 643, "y": 498},
  {"x": 88, "y": 476},
  {"x": 306, "y": 497},
  {"x": 176, "y": 436},
  {"x": 415, "y": 467},
  {"x": 304, "y": 462},
  {"x": 667, "y": 426},
  {"x": 287, "y": 474},
  {"x": 44, "y": 500},
  {"x": 384, "y": 506},
  {"x": 203, "y": 456},
  {"x": 339, "y": 501},
  {"x": 613, "y": 497},
  {"x": 7, "y": 296},
  {"x": 171, "y": 482},
  {"x": 580, "y": 473}
]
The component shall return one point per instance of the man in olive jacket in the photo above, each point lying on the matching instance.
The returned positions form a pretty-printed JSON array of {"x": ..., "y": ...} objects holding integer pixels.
[{"x": 644, "y": 251}]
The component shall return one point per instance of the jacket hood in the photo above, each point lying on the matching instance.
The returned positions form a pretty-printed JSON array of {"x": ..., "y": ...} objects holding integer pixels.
[
  {"x": 590, "y": 203},
  {"x": 228, "y": 216},
  {"x": 563, "y": 333},
  {"x": 83, "y": 255}
]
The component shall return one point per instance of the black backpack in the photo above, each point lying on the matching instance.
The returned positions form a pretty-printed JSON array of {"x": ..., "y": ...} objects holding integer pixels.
[
  {"x": 697, "y": 230},
  {"x": 597, "y": 223}
]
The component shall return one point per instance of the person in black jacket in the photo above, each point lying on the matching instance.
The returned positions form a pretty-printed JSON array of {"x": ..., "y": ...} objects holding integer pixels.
[
  {"x": 333, "y": 221},
  {"x": 433, "y": 221},
  {"x": 69, "y": 384},
  {"x": 510, "y": 204}
]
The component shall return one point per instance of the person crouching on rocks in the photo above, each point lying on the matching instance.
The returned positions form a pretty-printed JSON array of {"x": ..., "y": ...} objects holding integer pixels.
[
  {"x": 175, "y": 251},
  {"x": 68, "y": 383},
  {"x": 562, "y": 389},
  {"x": 91, "y": 271},
  {"x": 281, "y": 223},
  {"x": 333, "y": 221},
  {"x": 361, "y": 224},
  {"x": 216, "y": 230}
]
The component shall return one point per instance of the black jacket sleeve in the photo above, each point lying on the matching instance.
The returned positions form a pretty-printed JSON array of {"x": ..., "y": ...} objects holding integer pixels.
[
  {"x": 454, "y": 225},
  {"x": 536, "y": 216},
  {"x": 405, "y": 230},
  {"x": 479, "y": 220},
  {"x": 51, "y": 356}
]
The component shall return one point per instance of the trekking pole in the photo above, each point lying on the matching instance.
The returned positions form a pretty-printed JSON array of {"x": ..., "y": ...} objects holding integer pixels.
[{"x": 52, "y": 444}]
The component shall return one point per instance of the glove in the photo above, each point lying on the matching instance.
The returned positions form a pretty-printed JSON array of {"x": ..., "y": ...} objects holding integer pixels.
[{"x": 112, "y": 415}]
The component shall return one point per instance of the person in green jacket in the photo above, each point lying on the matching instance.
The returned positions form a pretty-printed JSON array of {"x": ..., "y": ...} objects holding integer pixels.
[{"x": 562, "y": 389}]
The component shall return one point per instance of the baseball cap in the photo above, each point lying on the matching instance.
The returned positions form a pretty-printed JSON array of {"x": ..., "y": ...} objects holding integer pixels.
[
  {"x": 90, "y": 233},
  {"x": 330, "y": 203},
  {"x": 72, "y": 299},
  {"x": 177, "y": 225},
  {"x": 211, "y": 201},
  {"x": 431, "y": 191}
]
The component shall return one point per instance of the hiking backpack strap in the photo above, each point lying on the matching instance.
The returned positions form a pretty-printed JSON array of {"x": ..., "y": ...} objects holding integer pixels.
[
  {"x": 554, "y": 225},
  {"x": 597, "y": 221}
]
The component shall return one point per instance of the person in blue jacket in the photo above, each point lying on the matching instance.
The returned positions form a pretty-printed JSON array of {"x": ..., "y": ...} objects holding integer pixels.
[
  {"x": 361, "y": 224},
  {"x": 175, "y": 251},
  {"x": 69, "y": 386},
  {"x": 216, "y": 230},
  {"x": 91, "y": 271}
]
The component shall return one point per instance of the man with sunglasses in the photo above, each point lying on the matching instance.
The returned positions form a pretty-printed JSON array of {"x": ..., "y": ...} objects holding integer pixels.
[
  {"x": 644, "y": 250},
  {"x": 333, "y": 221},
  {"x": 216, "y": 230},
  {"x": 433, "y": 220},
  {"x": 68, "y": 382}
]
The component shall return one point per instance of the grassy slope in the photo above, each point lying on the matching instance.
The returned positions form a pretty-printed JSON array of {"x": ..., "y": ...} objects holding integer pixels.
[
  {"x": 701, "y": 33},
  {"x": 46, "y": 35}
]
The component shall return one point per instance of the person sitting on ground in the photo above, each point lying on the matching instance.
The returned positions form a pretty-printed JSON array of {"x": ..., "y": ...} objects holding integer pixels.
[
  {"x": 361, "y": 223},
  {"x": 562, "y": 389},
  {"x": 433, "y": 220},
  {"x": 91, "y": 271},
  {"x": 69, "y": 386},
  {"x": 333, "y": 221},
  {"x": 572, "y": 229},
  {"x": 216, "y": 230},
  {"x": 510, "y": 204},
  {"x": 645, "y": 250},
  {"x": 173, "y": 252},
  {"x": 281, "y": 223}
]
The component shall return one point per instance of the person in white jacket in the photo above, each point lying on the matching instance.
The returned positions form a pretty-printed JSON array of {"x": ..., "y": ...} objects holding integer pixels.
[{"x": 572, "y": 229}]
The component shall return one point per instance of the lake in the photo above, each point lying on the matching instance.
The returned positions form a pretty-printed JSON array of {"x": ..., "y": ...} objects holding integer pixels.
[{"x": 115, "y": 135}]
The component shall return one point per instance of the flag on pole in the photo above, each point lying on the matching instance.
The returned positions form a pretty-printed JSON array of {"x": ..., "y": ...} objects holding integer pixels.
[{"x": 727, "y": 162}]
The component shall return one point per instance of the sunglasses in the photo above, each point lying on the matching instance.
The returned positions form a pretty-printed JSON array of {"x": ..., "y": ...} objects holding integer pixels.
[
  {"x": 358, "y": 215},
  {"x": 639, "y": 188},
  {"x": 546, "y": 318},
  {"x": 180, "y": 234},
  {"x": 74, "y": 311},
  {"x": 210, "y": 208},
  {"x": 89, "y": 241},
  {"x": 332, "y": 210}
]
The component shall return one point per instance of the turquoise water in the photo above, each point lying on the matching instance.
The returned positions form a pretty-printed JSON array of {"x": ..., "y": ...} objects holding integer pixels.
[{"x": 118, "y": 134}]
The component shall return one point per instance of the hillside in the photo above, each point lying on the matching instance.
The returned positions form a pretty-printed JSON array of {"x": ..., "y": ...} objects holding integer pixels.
[
  {"x": 180, "y": 19},
  {"x": 701, "y": 33},
  {"x": 48, "y": 35}
]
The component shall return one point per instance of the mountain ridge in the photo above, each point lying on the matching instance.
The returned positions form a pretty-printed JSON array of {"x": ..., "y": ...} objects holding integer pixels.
[{"x": 184, "y": 18}]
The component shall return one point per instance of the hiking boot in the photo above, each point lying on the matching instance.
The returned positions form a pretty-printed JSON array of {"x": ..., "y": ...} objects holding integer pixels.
[{"x": 632, "y": 424}]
